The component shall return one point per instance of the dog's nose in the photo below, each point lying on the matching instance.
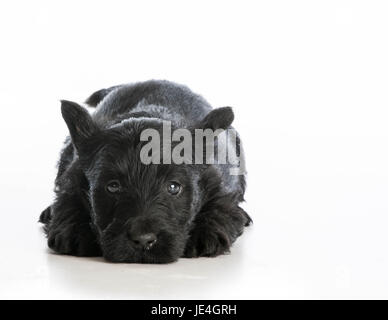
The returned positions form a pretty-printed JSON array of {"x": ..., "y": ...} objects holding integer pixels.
[{"x": 146, "y": 240}]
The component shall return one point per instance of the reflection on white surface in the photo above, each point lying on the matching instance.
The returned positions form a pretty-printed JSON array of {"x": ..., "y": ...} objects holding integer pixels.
[
  {"x": 127, "y": 281},
  {"x": 44, "y": 274},
  {"x": 96, "y": 277}
]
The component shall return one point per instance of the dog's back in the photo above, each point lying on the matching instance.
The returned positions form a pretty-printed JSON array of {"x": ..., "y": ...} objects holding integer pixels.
[{"x": 157, "y": 98}]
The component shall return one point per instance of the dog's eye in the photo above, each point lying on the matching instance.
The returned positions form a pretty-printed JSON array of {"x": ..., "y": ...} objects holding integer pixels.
[
  {"x": 174, "y": 188},
  {"x": 113, "y": 187}
]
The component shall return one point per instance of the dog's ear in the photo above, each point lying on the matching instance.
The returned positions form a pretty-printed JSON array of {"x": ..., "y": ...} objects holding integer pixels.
[
  {"x": 220, "y": 118},
  {"x": 79, "y": 122}
]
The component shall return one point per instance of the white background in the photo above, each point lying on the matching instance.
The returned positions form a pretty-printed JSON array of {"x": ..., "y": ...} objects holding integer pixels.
[{"x": 308, "y": 83}]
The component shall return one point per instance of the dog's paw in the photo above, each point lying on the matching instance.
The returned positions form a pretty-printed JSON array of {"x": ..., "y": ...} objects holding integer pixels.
[
  {"x": 207, "y": 243},
  {"x": 77, "y": 240}
]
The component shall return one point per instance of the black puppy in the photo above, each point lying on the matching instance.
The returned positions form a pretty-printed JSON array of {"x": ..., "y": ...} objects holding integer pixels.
[{"x": 110, "y": 203}]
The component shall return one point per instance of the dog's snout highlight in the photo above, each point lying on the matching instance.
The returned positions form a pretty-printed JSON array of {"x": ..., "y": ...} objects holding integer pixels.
[{"x": 145, "y": 241}]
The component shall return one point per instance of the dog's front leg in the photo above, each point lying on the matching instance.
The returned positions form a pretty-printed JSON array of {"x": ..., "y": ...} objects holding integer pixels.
[
  {"x": 68, "y": 227},
  {"x": 216, "y": 227}
]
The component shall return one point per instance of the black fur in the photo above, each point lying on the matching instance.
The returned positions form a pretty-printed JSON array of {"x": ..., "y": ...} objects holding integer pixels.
[
  {"x": 96, "y": 97},
  {"x": 204, "y": 219}
]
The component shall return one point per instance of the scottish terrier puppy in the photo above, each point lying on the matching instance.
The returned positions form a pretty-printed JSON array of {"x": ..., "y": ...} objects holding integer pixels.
[{"x": 117, "y": 197}]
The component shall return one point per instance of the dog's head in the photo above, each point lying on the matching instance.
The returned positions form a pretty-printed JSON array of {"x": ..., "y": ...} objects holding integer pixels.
[{"x": 140, "y": 212}]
